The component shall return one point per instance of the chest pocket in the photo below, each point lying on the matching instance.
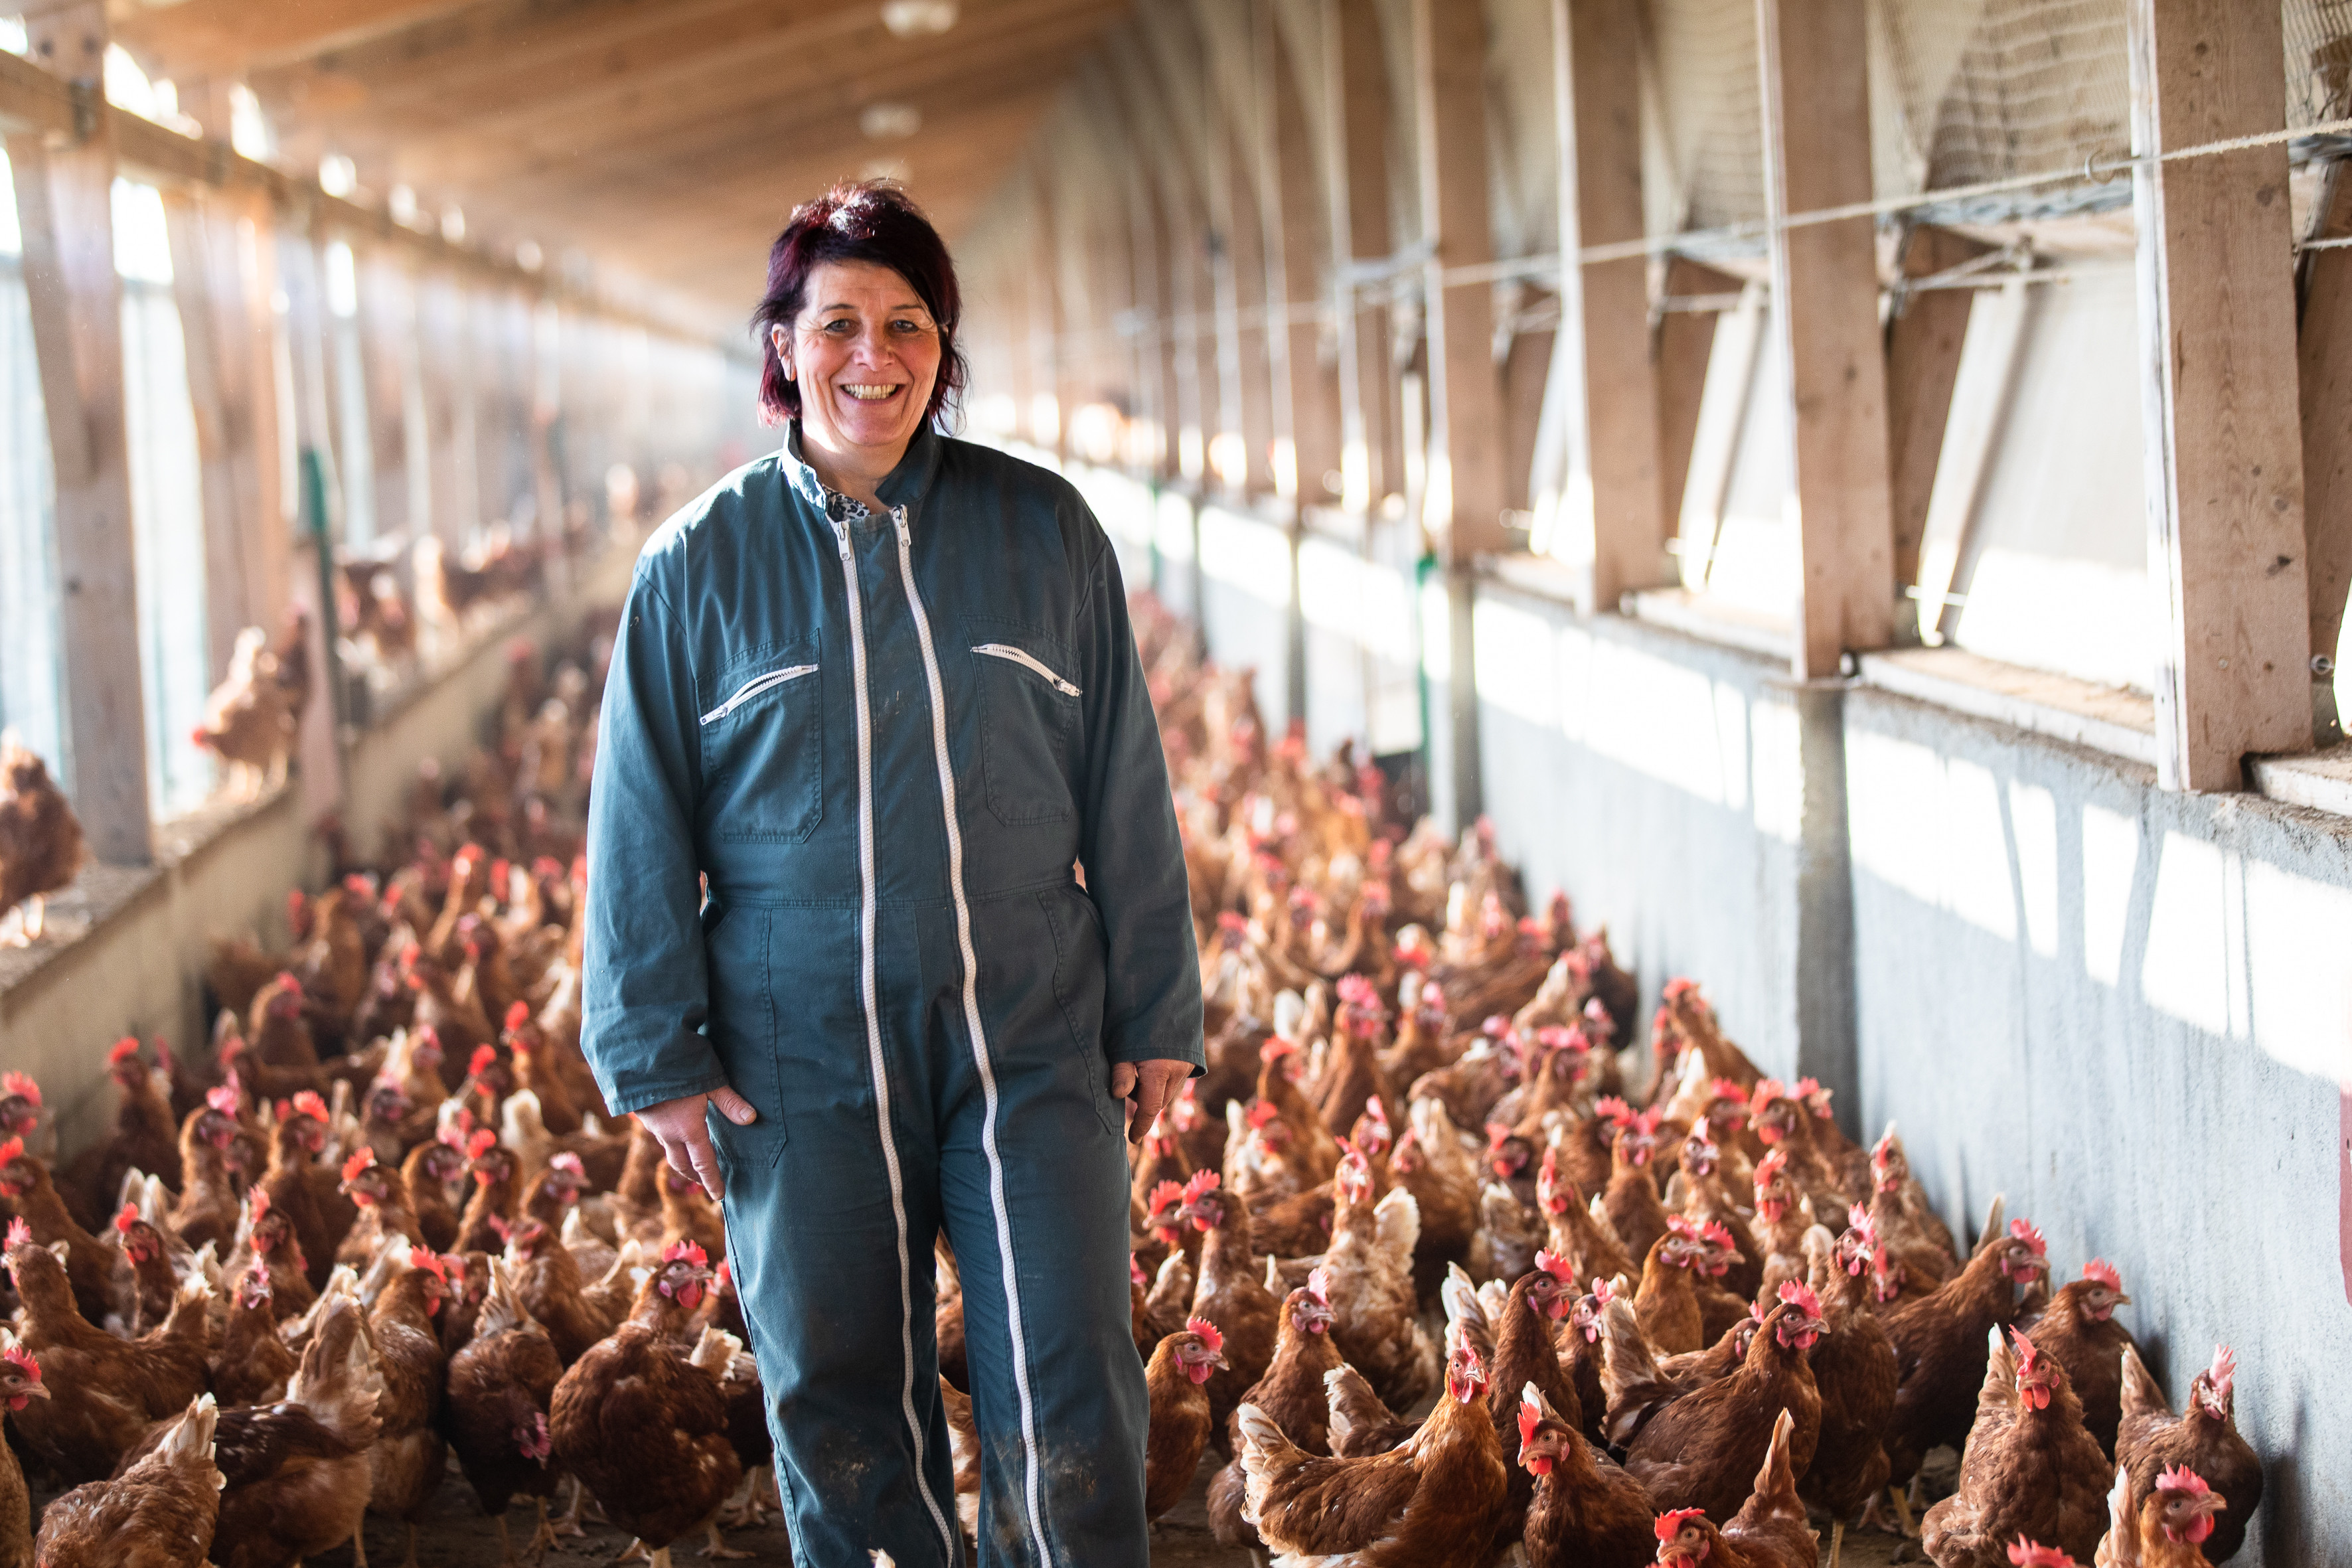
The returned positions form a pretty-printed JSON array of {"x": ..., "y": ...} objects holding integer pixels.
[
  {"x": 1028, "y": 715},
  {"x": 763, "y": 745}
]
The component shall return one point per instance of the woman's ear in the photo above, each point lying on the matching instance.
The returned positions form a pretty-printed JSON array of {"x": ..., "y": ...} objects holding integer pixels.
[{"x": 780, "y": 339}]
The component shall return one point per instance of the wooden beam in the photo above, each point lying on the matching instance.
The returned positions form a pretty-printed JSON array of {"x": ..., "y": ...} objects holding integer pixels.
[
  {"x": 65, "y": 213},
  {"x": 1923, "y": 356},
  {"x": 206, "y": 349},
  {"x": 1605, "y": 306},
  {"x": 2324, "y": 352},
  {"x": 1356, "y": 140},
  {"x": 739, "y": 112},
  {"x": 35, "y": 101},
  {"x": 231, "y": 37},
  {"x": 1824, "y": 307},
  {"x": 1463, "y": 507},
  {"x": 1685, "y": 342},
  {"x": 1461, "y": 497},
  {"x": 2222, "y": 417},
  {"x": 1307, "y": 391}
]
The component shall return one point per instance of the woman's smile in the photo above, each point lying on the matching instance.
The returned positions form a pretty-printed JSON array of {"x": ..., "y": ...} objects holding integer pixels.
[{"x": 865, "y": 353}]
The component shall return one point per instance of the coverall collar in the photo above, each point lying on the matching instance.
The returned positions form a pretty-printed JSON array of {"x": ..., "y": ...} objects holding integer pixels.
[{"x": 903, "y": 486}]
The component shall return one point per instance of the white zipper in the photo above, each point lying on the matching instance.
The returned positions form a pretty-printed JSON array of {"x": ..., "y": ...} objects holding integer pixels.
[
  {"x": 1028, "y": 661},
  {"x": 874, "y": 1026},
  {"x": 972, "y": 1022},
  {"x": 752, "y": 687}
]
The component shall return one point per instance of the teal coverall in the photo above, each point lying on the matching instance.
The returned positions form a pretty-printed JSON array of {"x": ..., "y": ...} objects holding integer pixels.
[{"x": 888, "y": 739}]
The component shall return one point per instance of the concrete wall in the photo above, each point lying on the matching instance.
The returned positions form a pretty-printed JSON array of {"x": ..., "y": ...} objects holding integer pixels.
[
  {"x": 2127, "y": 1010},
  {"x": 138, "y": 967},
  {"x": 2130, "y": 1011}
]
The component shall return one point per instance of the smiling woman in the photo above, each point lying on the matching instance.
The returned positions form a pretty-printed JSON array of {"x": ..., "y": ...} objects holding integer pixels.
[
  {"x": 859, "y": 324},
  {"x": 877, "y": 690}
]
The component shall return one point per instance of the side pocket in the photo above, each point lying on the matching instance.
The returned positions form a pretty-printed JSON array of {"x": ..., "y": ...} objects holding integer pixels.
[
  {"x": 742, "y": 1028},
  {"x": 1078, "y": 991}
]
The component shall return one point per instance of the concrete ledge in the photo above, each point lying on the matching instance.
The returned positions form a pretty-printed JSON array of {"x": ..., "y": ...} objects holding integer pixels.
[
  {"x": 1711, "y": 619},
  {"x": 2320, "y": 782},
  {"x": 127, "y": 945},
  {"x": 2102, "y": 718}
]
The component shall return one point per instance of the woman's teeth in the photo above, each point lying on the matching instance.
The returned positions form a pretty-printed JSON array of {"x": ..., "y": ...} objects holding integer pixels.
[{"x": 868, "y": 393}]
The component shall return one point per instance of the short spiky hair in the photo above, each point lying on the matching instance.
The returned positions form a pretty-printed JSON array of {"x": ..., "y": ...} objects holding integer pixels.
[{"x": 857, "y": 220}]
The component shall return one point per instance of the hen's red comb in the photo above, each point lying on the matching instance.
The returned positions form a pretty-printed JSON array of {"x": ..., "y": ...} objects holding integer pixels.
[
  {"x": 689, "y": 1251},
  {"x": 2025, "y": 1231},
  {"x": 11, "y": 1150},
  {"x": 19, "y": 1234},
  {"x": 127, "y": 1218},
  {"x": 1164, "y": 1195},
  {"x": 1670, "y": 1525},
  {"x": 1558, "y": 1267},
  {"x": 518, "y": 1015},
  {"x": 480, "y": 1143},
  {"x": 1531, "y": 1414},
  {"x": 424, "y": 1257},
  {"x": 2099, "y": 1271},
  {"x": 485, "y": 1058},
  {"x": 18, "y": 1086},
  {"x": 1800, "y": 1295},
  {"x": 1319, "y": 1283},
  {"x": 359, "y": 1161},
  {"x": 1208, "y": 1333},
  {"x": 122, "y": 1050},
  {"x": 2181, "y": 1479},
  {"x": 308, "y": 1103},
  {"x": 1202, "y": 1184},
  {"x": 2030, "y": 1554}
]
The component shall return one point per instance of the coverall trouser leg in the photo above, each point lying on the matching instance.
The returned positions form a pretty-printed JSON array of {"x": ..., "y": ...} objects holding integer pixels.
[{"x": 1023, "y": 1162}]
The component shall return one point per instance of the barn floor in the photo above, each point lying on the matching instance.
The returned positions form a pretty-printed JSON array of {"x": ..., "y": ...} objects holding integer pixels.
[{"x": 456, "y": 1535}]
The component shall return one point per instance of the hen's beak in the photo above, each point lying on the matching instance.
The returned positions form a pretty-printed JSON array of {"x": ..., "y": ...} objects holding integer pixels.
[{"x": 37, "y": 1391}]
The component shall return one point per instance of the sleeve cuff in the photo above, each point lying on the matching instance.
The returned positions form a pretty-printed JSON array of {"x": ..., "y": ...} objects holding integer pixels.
[{"x": 638, "y": 1096}]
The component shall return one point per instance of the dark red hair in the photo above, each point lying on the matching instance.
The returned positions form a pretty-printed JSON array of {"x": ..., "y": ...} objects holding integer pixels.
[{"x": 857, "y": 220}]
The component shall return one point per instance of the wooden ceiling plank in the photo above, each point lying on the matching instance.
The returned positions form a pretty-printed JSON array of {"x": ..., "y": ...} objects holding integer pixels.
[
  {"x": 616, "y": 148},
  {"x": 235, "y": 37},
  {"x": 665, "y": 124}
]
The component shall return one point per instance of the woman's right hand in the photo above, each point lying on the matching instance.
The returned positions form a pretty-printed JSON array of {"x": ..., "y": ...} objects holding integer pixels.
[{"x": 678, "y": 1125}]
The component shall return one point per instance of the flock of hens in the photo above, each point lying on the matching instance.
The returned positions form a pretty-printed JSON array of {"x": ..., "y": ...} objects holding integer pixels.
[{"x": 1437, "y": 1277}]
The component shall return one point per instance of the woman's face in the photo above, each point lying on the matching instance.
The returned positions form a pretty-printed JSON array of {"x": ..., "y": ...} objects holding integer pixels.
[{"x": 865, "y": 354}]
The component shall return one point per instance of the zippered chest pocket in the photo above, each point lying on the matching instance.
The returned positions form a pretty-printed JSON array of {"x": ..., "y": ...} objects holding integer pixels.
[
  {"x": 1028, "y": 718},
  {"x": 762, "y": 727}
]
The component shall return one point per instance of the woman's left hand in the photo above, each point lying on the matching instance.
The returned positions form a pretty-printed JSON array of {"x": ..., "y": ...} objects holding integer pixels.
[{"x": 1146, "y": 1087}]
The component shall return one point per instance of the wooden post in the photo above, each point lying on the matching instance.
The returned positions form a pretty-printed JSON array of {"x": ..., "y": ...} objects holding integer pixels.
[
  {"x": 206, "y": 350},
  {"x": 2224, "y": 439},
  {"x": 1604, "y": 308},
  {"x": 1254, "y": 293},
  {"x": 1307, "y": 389},
  {"x": 1462, "y": 500},
  {"x": 1463, "y": 508},
  {"x": 1816, "y": 100},
  {"x": 1685, "y": 341},
  {"x": 2323, "y": 346},
  {"x": 1356, "y": 138},
  {"x": 1923, "y": 356},
  {"x": 64, "y": 212}
]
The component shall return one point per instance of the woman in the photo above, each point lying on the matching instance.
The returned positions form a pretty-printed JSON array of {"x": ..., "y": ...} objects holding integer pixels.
[{"x": 879, "y": 687}]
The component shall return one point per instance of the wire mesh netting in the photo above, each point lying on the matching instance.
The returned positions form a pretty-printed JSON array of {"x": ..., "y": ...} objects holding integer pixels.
[{"x": 1962, "y": 91}]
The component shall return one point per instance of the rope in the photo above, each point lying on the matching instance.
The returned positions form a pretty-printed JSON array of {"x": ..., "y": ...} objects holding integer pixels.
[
  {"x": 1389, "y": 270},
  {"x": 2091, "y": 168}
]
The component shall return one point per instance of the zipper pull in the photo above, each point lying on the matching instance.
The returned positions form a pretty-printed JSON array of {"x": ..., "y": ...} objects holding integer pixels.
[
  {"x": 898, "y": 516},
  {"x": 841, "y": 538}
]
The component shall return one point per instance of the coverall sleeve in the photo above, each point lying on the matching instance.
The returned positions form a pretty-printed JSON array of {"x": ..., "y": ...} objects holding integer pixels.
[
  {"x": 647, "y": 993},
  {"x": 1133, "y": 856}
]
